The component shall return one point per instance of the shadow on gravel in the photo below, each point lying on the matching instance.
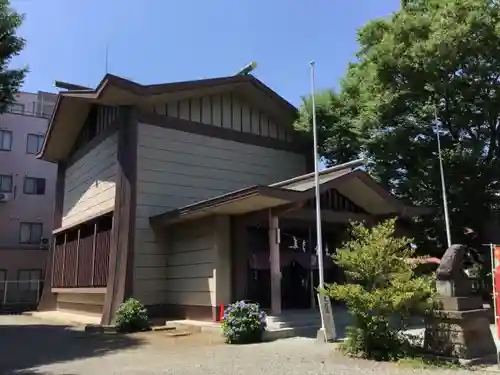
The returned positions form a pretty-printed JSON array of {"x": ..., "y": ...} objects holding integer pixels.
[{"x": 23, "y": 347}]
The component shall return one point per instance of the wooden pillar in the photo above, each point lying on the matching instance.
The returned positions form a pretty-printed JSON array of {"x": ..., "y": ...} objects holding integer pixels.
[
  {"x": 121, "y": 254},
  {"x": 94, "y": 238},
  {"x": 274, "y": 261},
  {"x": 239, "y": 258},
  {"x": 63, "y": 266},
  {"x": 52, "y": 262},
  {"x": 77, "y": 258}
]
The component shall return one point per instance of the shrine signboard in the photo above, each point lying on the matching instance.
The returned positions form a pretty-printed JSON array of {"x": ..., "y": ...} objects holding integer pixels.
[{"x": 325, "y": 309}]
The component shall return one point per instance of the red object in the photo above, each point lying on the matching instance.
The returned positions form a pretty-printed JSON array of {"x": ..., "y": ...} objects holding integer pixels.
[
  {"x": 221, "y": 312},
  {"x": 496, "y": 295},
  {"x": 497, "y": 253},
  {"x": 496, "y": 286}
]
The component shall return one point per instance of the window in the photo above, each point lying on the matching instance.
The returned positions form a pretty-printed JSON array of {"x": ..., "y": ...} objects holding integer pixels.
[
  {"x": 33, "y": 185},
  {"x": 34, "y": 143},
  {"x": 31, "y": 233},
  {"x": 5, "y": 140},
  {"x": 5, "y": 183},
  {"x": 29, "y": 280}
]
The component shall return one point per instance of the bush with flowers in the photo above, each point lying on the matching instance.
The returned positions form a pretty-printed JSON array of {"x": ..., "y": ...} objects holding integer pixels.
[{"x": 243, "y": 323}]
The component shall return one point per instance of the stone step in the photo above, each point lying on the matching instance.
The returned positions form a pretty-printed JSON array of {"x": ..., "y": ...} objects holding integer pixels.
[
  {"x": 177, "y": 333},
  {"x": 194, "y": 326},
  {"x": 277, "y": 322},
  {"x": 288, "y": 332},
  {"x": 291, "y": 319},
  {"x": 163, "y": 328},
  {"x": 170, "y": 330}
]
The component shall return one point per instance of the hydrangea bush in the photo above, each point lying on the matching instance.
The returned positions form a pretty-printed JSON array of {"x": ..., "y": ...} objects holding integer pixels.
[{"x": 243, "y": 323}]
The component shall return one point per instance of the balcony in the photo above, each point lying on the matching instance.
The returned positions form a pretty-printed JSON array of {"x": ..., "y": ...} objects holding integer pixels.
[
  {"x": 35, "y": 109},
  {"x": 81, "y": 255}
]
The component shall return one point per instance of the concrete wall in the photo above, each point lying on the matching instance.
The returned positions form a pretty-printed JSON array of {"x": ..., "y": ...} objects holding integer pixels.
[
  {"x": 23, "y": 120},
  {"x": 176, "y": 168},
  {"x": 89, "y": 187}
]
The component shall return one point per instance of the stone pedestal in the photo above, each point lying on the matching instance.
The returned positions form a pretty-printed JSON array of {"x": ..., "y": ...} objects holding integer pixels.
[{"x": 461, "y": 330}]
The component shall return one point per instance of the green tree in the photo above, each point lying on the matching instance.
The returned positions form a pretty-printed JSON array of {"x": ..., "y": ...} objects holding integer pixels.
[
  {"x": 431, "y": 57},
  {"x": 10, "y": 45},
  {"x": 383, "y": 293}
]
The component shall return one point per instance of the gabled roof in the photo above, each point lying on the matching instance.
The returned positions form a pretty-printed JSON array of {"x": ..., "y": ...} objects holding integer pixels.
[
  {"x": 111, "y": 80},
  {"x": 114, "y": 90},
  {"x": 350, "y": 181}
]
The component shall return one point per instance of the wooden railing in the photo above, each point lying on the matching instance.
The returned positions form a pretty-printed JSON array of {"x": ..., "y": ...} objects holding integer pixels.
[{"x": 82, "y": 262}]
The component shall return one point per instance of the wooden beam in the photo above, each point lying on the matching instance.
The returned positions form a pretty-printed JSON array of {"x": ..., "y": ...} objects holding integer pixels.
[
  {"x": 283, "y": 210},
  {"x": 261, "y": 216},
  {"x": 79, "y": 290},
  {"x": 274, "y": 260},
  {"x": 328, "y": 216}
]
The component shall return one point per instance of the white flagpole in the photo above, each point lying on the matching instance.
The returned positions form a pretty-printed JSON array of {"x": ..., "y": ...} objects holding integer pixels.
[
  {"x": 443, "y": 184},
  {"x": 106, "y": 59},
  {"x": 327, "y": 331},
  {"x": 319, "y": 236}
]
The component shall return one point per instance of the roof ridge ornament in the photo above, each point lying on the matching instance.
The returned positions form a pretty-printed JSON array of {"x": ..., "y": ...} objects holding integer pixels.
[{"x": 247, "y": 69}]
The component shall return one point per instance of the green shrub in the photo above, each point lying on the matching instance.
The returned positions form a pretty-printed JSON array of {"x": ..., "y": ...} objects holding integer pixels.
[
  {"x": 383, "y": 293},
  {"x": 243, "y": 323},
  {"x": 132, "y": 316}
]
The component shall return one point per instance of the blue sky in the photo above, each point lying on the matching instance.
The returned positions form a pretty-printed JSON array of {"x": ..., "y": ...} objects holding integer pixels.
[{"x": 154, "y": 41}]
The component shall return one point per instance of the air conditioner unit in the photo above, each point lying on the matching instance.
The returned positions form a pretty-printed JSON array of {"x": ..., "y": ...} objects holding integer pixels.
[
  {"x": 44, "y": 243},
  {"x": 5, "y": 197}
]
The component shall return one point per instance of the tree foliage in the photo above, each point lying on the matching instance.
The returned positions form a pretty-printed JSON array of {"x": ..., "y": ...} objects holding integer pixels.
[
  {"x": 431, "y": 59},
  {"x": 384, "y": 291},
  {"x": 10, "y": 45}
]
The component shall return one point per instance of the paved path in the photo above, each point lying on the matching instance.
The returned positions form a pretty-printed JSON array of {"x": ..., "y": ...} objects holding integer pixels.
[{"x": 29, "y": 346}]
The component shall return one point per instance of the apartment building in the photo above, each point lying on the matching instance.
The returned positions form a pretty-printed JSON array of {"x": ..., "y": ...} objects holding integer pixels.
[{"x": 27, "y": 190}]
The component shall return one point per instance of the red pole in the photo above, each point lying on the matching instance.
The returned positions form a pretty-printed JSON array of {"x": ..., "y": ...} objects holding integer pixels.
[{"x": 221, "y": 312}]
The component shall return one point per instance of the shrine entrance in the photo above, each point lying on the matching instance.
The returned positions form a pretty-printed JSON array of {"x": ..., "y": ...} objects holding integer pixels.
[
  {"x": 262, "y": 238},
  {"x": 298, "y": 263}
]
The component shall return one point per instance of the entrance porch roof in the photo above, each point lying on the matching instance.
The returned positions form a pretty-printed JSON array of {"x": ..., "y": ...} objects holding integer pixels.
[{"x": 347, "y": 179}]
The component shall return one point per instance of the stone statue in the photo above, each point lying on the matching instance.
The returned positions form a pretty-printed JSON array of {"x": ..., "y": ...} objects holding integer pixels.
[{"x": 451, "y": 279}]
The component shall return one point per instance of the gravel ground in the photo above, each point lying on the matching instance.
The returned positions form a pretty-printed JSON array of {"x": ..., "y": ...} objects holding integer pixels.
[{"x": 29, "y": 346}]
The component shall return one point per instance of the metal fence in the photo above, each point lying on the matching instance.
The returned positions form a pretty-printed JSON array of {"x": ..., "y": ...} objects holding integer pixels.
[{"x": 17, "y": 295}]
